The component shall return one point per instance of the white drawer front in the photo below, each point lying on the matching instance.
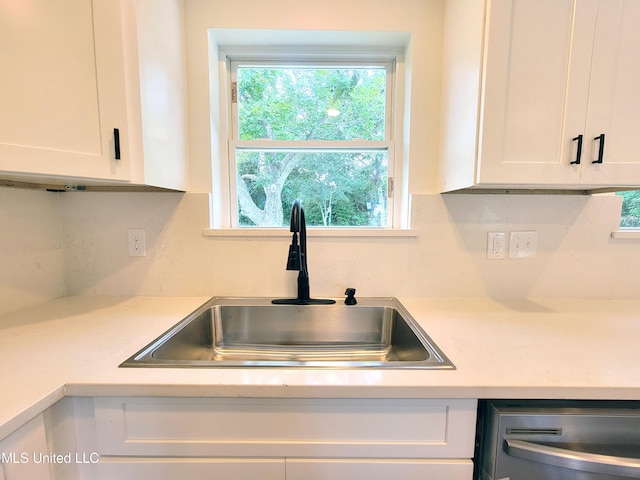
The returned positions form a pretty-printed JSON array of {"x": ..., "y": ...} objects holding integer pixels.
[
  {"x": 382, "y": 469},
  {"x": 172, "y": 469},
  {"x": 286, "y": 427}
]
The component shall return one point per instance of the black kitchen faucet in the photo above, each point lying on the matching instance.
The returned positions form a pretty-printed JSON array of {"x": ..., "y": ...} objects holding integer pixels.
[{"x": 298, "y": 261}]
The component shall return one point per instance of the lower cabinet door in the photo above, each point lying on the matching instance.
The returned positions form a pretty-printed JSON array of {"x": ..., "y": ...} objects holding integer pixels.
[
  {"x": 191, "y": 469},
  {"x": 381, "y": 469},
  {"x": 25, "y": 454}
]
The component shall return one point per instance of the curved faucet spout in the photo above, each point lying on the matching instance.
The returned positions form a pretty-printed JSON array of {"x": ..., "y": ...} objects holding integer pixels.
[
  {"x": 298, "y": 260},
  {"x": 295, "y": 216}
]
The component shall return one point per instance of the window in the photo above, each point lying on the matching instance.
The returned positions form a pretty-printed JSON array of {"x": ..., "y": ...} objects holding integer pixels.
[
  {"x": 630, "y": 217},
  {"x": 312, "y": 129}
]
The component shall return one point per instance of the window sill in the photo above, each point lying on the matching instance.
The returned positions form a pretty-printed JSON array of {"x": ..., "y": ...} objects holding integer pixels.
[
  {"x": 311, "y": 232},
  {"x": 626, "y": 234}
]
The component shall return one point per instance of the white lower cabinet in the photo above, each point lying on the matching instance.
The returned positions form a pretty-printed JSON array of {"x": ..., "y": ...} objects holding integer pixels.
[
  {"x": 238, "y": 438},
  {"x": 23, "y": 453}
]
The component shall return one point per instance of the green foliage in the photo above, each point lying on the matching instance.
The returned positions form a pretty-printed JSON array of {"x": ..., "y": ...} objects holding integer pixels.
[
  {"x": 337, "y": 188},
  {"x": 340, "y": 189},
  {"x": 292, "y": 104},
  {"x": 630, "y": 209}
]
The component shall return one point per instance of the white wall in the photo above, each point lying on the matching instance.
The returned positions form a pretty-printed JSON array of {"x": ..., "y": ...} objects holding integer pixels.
[
  {"x": 31, "y": 253},
  {"x": 422, "y": 20},
  {"x": 576, "y": 255}
]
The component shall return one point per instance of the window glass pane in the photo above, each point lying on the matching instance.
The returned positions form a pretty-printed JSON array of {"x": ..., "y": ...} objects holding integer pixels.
[
  {"x": 337, "y": 188},
  {"x": 312, "y": 103},
  {"x": 630, "y": 209}
]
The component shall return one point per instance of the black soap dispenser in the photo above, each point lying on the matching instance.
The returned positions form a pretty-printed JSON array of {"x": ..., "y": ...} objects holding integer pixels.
[{"x": 351, "y": 296}]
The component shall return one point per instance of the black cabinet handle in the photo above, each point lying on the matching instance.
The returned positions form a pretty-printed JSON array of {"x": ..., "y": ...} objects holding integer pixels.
[
  {"x": 116, "y": 142},
  {"x": 600, "y": 149},
  {"x": 578, "y": 151}
]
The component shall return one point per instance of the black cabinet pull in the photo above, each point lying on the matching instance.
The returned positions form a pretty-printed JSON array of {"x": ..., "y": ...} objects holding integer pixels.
[
  {"x": 116, "y": 142},
  {"x": 600, "y": 149},
  {"x": 578, "y": 151}
]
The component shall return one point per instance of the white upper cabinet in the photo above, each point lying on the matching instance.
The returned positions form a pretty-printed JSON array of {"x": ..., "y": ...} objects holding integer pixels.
[
  {"x": 528, "y": 83},
  {"x": 71, "y": 93},
  {"x": 614, "y": 95},
  {"x": 60, "y": 98}
]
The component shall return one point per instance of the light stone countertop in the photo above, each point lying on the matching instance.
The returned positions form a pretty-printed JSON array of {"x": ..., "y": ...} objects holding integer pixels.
[{"x": 580, "y": 349}]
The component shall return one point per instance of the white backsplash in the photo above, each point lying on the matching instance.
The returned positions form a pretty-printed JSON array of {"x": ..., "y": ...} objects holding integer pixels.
[
  {"x": 31, "y": 253},
  {"x": 76, "y": 243},
  {"x": 576, "y": 255}
]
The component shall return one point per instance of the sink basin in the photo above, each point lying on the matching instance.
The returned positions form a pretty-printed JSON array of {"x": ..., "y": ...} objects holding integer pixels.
[{"x": 252, "y": 332}]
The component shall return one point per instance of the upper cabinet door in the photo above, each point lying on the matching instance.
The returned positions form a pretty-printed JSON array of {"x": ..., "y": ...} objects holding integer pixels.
[
  {"x": 614, "y": 96},
  {"x": 535, "y": 80},
  {"x": 557, "y": 94},
  {"x": 62, "y": 89}
]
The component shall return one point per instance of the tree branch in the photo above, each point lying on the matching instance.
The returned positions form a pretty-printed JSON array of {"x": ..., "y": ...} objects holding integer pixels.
[{"x": 247, "y": 206}]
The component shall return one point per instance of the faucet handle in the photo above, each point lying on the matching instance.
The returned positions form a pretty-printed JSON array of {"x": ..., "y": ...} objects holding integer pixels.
[
  {"x": 351, "y": 296},
  {"x": 293, "y": 262}
]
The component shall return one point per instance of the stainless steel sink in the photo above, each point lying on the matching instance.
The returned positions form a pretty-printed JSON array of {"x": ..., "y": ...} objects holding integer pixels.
[{"x": 251, "y": 332}]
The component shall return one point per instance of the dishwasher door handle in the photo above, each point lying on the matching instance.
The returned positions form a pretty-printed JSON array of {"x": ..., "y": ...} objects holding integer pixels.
[{"x": 581, "y": 461}]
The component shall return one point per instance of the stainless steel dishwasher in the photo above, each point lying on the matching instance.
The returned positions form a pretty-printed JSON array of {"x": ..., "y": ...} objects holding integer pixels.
[{"x": 571, "y": 440}]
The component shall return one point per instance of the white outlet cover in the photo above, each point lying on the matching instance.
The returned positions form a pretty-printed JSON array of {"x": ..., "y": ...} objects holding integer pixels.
[
  {"x": 136, "y": 242},
  {"x": 496, "y": 245}
]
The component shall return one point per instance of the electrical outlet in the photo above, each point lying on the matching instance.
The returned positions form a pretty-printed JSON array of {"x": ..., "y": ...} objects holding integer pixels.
[
  {"x": 136, "y": 240},
  {"x": 496, "y": 245},
  {"x": 523, "y": 244}
]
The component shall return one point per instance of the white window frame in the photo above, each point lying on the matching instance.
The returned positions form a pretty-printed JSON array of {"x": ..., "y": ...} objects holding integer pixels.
[{"x": 387, "y": 57}]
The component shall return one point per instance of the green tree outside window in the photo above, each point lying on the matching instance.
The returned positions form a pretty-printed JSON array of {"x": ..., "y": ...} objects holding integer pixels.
[
  {"x": 339, "y": 185},
  {"x": 630, "y": 217}
]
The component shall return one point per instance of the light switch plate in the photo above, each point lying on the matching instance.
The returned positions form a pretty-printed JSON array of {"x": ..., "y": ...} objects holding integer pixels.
[{"x": 523, "y": 244}]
